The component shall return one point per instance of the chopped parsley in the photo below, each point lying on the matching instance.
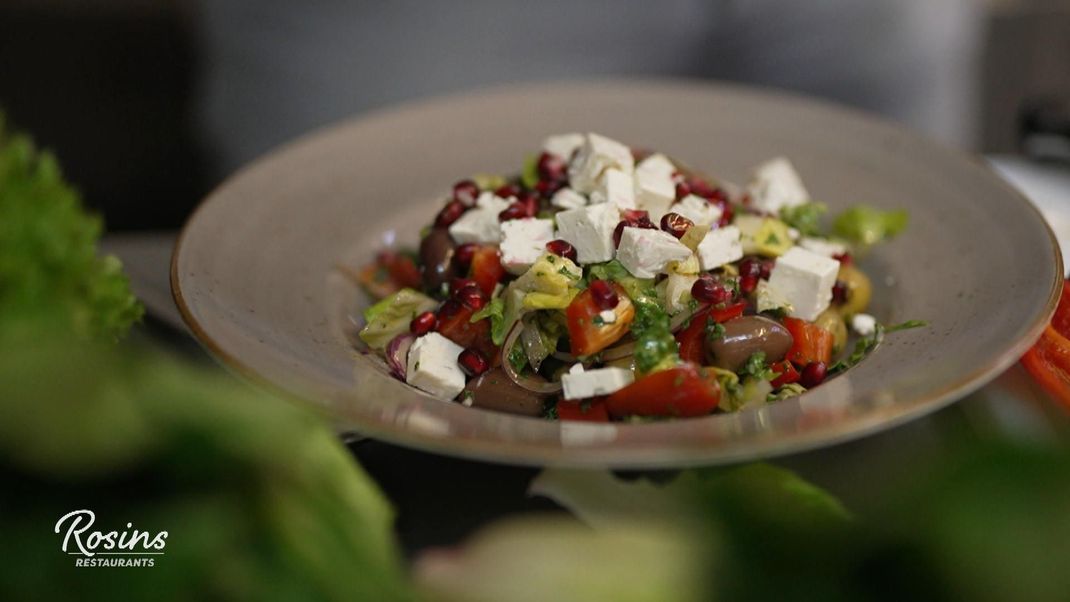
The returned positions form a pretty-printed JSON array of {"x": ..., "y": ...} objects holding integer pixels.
[
  {"x": 906, "y": 325},
  {"x": 756, "y": 367},
  {"x": 714, "y": 329},
  {"x": 517, "y": 358},
  {"x": 805, "y": 218},
  {"x": 654, "y": 343}
]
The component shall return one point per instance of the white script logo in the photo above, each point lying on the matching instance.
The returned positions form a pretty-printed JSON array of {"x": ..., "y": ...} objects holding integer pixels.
[{"x": 133, "y": 547}]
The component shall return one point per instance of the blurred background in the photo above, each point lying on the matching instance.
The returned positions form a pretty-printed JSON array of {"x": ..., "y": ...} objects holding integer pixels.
[{"x": 150, "y": 104}]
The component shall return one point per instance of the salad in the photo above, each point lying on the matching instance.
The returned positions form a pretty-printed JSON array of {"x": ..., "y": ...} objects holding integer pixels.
[{"x": 609, "y": 283}]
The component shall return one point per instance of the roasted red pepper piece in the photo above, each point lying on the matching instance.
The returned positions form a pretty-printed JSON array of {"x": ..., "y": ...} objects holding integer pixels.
[
  {"x": 786, "y": 372},
  {"x": 811, "y": 342},
  {"x": 683, "y": 391},
  {"x": 692, "y": 340},
  {"x": 592, "y": 410},
  {"x": 486, "y": 269},
  {"x": 456, "y": 325},
  {"x": 589, "y": 335}
]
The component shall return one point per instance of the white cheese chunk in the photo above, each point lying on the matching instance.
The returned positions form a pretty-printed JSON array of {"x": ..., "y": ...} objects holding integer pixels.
[
  {"x": 864, "y": 324},
  {"x": 591, "y": 383},
  {"x": 567, "y": 198},
  {"x": 608, "y": 316},
  {"x": 657, "y": 164},
  {"x": 590, "y": 230},
  {"x": 480, "y": 224},
  {"x": 805, "y": 279},
  {"x": 775, "y": 185},
  {"x": 769, "y": 298},
  {"x": 562, "y": 145},
  {"x": 596, "y": 155},
  {"x": 698, "y": 210},
  {"x": 615, "y": 187},
  {"x": 524, "y": 242},
  {"x": 719, "y": 247},
  {"x": 821, "y": 246},
  {"x": 432, "y": 366},
  {"x": 654, "y": 193},
  {"x": 645, "y": 253},
  {"x": 576, "y": 368}
]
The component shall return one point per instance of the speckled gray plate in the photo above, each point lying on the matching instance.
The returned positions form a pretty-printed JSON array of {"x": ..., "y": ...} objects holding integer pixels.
[{"x": 255, "y": 273}]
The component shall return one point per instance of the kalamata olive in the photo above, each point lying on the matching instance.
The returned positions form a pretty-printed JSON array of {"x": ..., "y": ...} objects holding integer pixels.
[
  {"x": 746, "y": 335},
  {"x": 494, "y": 391},
  {"x": 436, "y": 255}
]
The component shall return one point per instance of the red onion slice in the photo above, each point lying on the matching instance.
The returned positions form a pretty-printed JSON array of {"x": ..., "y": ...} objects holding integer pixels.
[
  {"x": 397, "y": 354},
  {"x": 538, "y": 386}
]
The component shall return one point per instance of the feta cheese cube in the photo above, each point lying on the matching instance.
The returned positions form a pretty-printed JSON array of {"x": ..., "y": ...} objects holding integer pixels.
[
  {"x": 524, "y": 242},
  {"x": 805, "y": 280},
  {"x": 567, "y": 198},
  {"x": 769, "y": 298},
  {"x": 719, "y": 247},
  {"x": 480, "y": 224},
  {"x": 821, "y": 246},
  {"x": 615, "y": 187},
  {"x": 775, "y": 185},
  {"x": 864, "y": 324},
  {"x": 657, "y": 164},
  {"x": 590, "y": 230},
  {"x": 591, "y": 383},
  {"x": 563, "y": 145},
  {"x": 645, "y": 253},
  {"x": 698, "y": 210},
  {"x": 432, "y": 366},
  {"x": 596, "y": 155},
  {"x": 654, "y": 193},
  {"x": 608, "y": 316}
]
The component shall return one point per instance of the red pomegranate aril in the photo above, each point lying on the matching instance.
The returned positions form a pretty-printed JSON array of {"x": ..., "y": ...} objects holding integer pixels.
[
  {"x": 530, "y": 203},
  {"x": 466, "y": 192},
  {"x": 507, "y": 191},
  {"x": 726, "y": 215},
  {"x": 813, "y": 374},
  {"x": 472, "y": 362},
  {"x": 462, "y": 255},
  {"x": 604, "y": 295},
  {"x": 839, "y": 292},
  {"x": 708, "y": 290},
  {"x": 701, "y": 188},
  {"x": 675, "y": 224},
  {"x": 457, "y": 284},
  {"x": 618, "y": 232},
  {"x": 766, "y": 266},
  {"x": 843, "y": 258},
  {"x": 719, "y": 196},
  {"x": 471, "y": 297},
  {"x": 547, "y": 188},
  {"x": 747, "y": 284},
  {"x": 450, "y": 213},
  {"x": 423, "y": 323},
  {"x": 750, "y": 266},
  {"x": 551, "y": 167},
  {"x": 682, "y": 190},
  {"x": 562, "y": 248},
  {"x": 515, "y": 211}
]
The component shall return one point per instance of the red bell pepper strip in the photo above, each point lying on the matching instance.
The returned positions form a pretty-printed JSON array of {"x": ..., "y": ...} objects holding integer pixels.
[
  {"x": 458, "y": 327},
  {"x": 589, "y": 335},
  {"x": 486, "y": 269},
  {"x": 786, "y": 374},
  {"x": 811, "y": 342},
  {"x": 592, "y": 410},
  {"x": 683, "y": 391}
]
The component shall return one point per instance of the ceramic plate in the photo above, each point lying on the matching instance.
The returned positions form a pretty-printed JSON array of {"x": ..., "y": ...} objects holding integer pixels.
[{"x": 256, "y": 270}]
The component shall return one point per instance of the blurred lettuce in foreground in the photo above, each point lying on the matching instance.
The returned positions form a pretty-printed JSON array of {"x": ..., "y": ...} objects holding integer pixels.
[{"x": 49, "y": 268}]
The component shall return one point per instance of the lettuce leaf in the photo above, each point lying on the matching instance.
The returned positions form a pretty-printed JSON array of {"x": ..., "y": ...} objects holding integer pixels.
[
  {"x": 864, "y": 225},
  {"x": 391, "y": 316}
]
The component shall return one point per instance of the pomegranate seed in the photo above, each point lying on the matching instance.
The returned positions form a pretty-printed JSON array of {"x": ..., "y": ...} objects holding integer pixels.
[
  {"x": 682, "y": 190},
  {"x": 450, "y": 308},
  {"x": 423, "y": 323},
  {"x": 530, "y": 203},
  {"x": 839, "y": 292},
  {"x": 750, "y": 266},
  {"x": 844, "y": 258},
  {"x": 551, "y": 167},
  {"x": 747, "y": 284},
  {"x": 813, "y": 374},
  {"x": 708, "y": 290},
  {"x": 460, "y": 283},
  {"x": 562, "y": 248},
  {"x": 618, "y": 232},
  {"x": 450, "y": 213},
  {"x": 726, "y": 215},
  {"x": 701, "y": 188},
  {"x": 675, "y": 224},
  {"x": 719, "y": 196},
  {"x": 605, "y": 296},
  {"x": 547, "y": 188},
  {"x": 463, "y": 254},
  {"x": 471, "y": 297},
  {"x": 635, "y": 218},
  {"x": 473, "y": 362},
  {"x": 515, "y": 211},
  {"x": 507, "y": 191},
  {"x": 466, "y": 192},
  {"x": 766, "y": 269}
]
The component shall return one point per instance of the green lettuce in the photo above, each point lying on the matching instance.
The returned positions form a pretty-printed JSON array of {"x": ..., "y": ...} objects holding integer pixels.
[
  {"x": 805, "y": 218},
  {"x": 391, "y": 316},
  {"x": 864, "y": 225}
]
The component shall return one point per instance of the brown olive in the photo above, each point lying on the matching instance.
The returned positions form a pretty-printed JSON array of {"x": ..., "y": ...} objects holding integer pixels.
[
  {"x": 494, "y": 391},
  {"x": 436, "y": 258},
  {"x": 746, "y": 335}
]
